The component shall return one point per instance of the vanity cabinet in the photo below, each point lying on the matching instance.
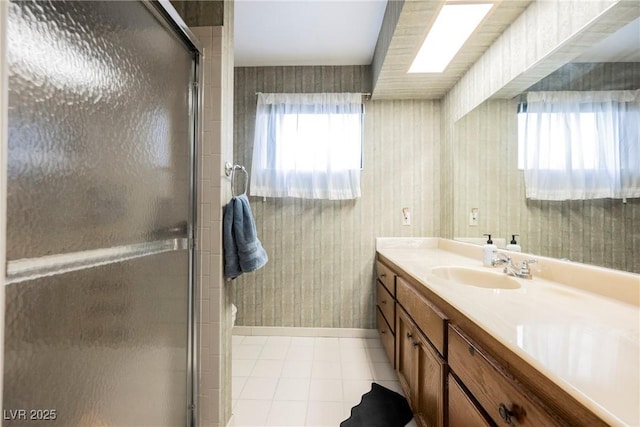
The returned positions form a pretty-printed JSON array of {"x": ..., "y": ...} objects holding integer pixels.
[
  {"x": 504, "y": 400},
  {"x": 428, "y": 318},
  {"x": 385, "y": 308},
  {"x": 455, "y": 374},
  {"x": 421, "y": 371},
  {"x": 420, "y": 354}
]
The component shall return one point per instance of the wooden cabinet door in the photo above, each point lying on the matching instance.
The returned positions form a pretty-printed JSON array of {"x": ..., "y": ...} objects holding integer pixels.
[
  {"x": 386, "y": 337},
  {"x": 462, "y": 411},
  {"x": 430, "y": 383},
  {"x": 421, "y": 372},
  {"x": 405, "y": 354}
]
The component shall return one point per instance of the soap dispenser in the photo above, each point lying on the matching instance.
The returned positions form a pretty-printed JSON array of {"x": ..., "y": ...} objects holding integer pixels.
[
  {"x": 513, "y": 245},
  {"x": 489, "y": 251}
]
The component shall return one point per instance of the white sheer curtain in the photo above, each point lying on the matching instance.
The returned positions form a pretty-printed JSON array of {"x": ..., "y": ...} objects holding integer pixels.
[
  {"x": 308, "y": 146},
  {"x": 580, "y": 145}
]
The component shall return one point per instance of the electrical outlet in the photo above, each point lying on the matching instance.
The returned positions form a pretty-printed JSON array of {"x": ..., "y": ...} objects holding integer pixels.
[
  {"x": 406, "y": 216},
  {"x": 473, "y": 217}
]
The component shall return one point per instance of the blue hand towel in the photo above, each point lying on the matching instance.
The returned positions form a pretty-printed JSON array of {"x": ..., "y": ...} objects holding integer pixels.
[{"x": 243, "y": 252}]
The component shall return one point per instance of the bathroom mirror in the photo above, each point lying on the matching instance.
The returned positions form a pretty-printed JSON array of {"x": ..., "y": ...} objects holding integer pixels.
[{"x": 604, "y": 232}]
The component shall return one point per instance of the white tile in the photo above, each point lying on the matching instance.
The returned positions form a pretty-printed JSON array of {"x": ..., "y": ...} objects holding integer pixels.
[
  {"x": 326, "y": 352},
  {"x": 347, "y": 410},
  {"x": 383, "y": 372},
  {"x": 304, "y": 381},
  {"x": 351, "y": 343},
  {"x": 321, "y": 414},
  {"x": 292, "y": 389},
  {"x": 354, "y": 389},
  {"x": 302, "y": 341},
  {"x": 242, "y": 367},
  {"x": 326, "y": 390},
  {"x": 279, "y": 341},
  {"x": 235, "y": 339},
  {"x": 267, "y": 369},
  {"x": 356, "y": 371},
  {"x": 300, "y": 353},
  {"x": 287, "y": 413},
  {"x": 296, "y": 369},
  {"x": 247, "y": 351},
  {"x": 326, "y": 370},
  {"x": 327, "y": 342},
  {"x": 354, "y": 354},
  {"x": 250, "y": 413},
  {"x": 372, "y": 342},
  {"x": 259, "y": 388},
  {"x": 254, "y": 339},
  {"x": 377, "y": 354},
  {"x": 274, "y": 351},
  {"x": 237, "y": 384}
]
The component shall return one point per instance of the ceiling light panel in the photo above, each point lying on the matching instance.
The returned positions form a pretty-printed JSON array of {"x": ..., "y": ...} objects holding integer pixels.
[{"x": 451, "y": 29}]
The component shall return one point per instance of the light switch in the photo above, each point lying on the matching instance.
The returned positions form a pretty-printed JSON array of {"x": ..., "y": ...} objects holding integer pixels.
[
  {"x": 406, "y": 216},
  {"x": 473, "y": 217}
]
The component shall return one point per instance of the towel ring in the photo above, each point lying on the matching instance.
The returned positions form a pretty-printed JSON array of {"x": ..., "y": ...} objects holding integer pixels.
[{"x": 233, "y": 179}]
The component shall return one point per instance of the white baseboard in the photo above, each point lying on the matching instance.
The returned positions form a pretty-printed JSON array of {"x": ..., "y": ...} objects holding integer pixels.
[{"x": 305, "y": 332}]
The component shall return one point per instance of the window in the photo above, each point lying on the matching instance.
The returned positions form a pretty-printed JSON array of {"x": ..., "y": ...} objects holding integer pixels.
[
  {"x": 580, "y": 145},
  {"x": 308, "y": 146}
]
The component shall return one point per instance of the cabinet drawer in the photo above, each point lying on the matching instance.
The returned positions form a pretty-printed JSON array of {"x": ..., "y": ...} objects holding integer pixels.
[
  {"x": 462, "y": 410},
  {"x": 386, "y": 276},
  {"x": 426, "y": 316},
  {"x": 505, "y": 401},
  {"x": 386, "y": 304},
  {"x": 386, "y": 336}
]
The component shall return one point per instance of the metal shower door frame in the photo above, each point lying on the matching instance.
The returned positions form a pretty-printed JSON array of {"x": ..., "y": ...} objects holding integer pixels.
[
  {"x": 4, "y": 107},
  {"x": 166, "y": 14}
]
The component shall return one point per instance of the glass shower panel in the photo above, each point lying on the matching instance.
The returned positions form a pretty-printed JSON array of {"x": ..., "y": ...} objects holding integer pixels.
[
  {"x": 101, "y": 347},
  {"x": 98, "y": 305},
  {"x": 98, "y": 127}
]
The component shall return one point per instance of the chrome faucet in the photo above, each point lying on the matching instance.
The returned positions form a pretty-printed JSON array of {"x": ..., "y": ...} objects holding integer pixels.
[{"x": 524, "y": 272}]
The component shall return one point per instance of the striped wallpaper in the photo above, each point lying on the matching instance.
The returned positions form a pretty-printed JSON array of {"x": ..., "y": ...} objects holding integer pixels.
[{"x": 320, "y": 272}]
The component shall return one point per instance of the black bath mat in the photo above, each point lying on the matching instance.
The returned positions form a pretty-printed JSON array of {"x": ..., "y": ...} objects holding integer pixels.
[{"x": 380, "y": 407}]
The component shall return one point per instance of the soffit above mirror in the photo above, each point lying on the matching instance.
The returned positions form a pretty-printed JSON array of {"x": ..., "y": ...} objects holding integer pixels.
[{"x": 403, "y": 30}]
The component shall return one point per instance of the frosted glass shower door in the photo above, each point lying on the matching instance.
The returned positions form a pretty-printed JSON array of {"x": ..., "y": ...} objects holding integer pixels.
[{"x": 99, "y": 215}]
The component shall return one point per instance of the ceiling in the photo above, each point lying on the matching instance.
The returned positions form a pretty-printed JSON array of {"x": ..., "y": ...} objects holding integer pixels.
[
  {"x": 306, "y": 32},
  {"x": 352, "y": 32},
  {"x": 621, "y": 46}
]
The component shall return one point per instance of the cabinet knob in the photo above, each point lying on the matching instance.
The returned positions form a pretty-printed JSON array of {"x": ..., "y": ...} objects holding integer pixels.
[
  {"x": 508, "y": 415},
  {"x": 416, "y": 344},
  {"x": 409, "y": 336},
  {"x": 472, "y": 350},
  {"x": 383, "y": 274},
  {"x": 384, "y": 301},
  {"x": 505, "y": 413}
]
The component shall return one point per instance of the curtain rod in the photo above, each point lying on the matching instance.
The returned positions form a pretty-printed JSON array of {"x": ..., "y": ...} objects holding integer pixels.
[{"x": 361, "y": 93}]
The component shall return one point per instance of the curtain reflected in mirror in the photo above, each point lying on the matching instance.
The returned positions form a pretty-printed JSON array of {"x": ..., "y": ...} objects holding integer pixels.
[{"x": 486, "y": 176}]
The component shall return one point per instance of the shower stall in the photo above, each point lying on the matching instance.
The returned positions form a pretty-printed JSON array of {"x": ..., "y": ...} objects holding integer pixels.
[{"x": 102, "y": 126}]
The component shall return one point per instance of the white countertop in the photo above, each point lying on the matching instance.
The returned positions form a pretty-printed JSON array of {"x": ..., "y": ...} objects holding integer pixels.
[{"x": 586, "y": 343}]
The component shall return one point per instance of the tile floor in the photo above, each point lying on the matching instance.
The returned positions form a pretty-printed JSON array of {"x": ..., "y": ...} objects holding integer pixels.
[{"x": 304, "y": 381}]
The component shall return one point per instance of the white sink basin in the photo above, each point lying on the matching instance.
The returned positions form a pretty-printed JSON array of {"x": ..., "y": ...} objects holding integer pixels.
[{"x": 474, "y": 277}]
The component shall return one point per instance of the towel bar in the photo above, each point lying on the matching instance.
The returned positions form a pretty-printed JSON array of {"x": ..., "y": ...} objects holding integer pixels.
[{"x": 230, "y": 170}]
